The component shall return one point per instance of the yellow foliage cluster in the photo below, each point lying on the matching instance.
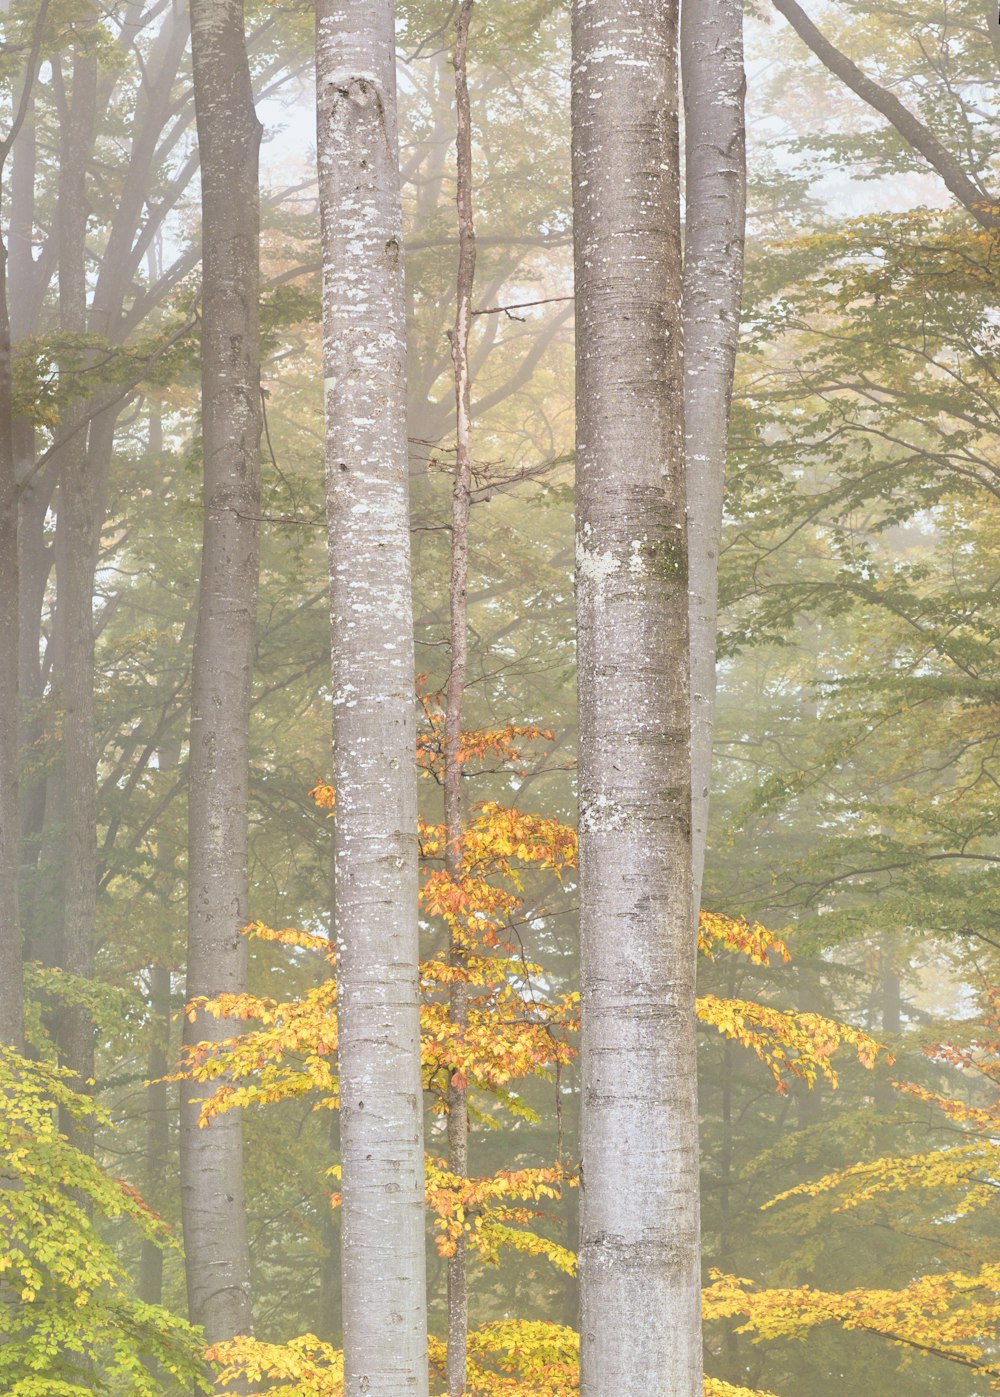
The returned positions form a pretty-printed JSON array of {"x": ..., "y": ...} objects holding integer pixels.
[
  {"x": 748, "y": 939},
  {"x": 303, "y": 1367},
  {"x": 484, "y": 1210},
  {"x": 952, "y": 1315},
  {"x": 519, "y": 1358},
  {"x": 507, "y": 1358},
  {"x": 790, "y": 1045},
  {"x": 966, "y": 1169},
  {"x": 503, "y": 745}
]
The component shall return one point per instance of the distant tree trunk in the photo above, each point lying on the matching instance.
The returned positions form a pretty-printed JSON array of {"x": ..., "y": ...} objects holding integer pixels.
[
  {"x": 458, "y": 1105},
  {"x": 890, "y": 994},
  {"x": 891, "y": 987},
  {"x": 11, "y": 694},
  {"x": 11, "y": 978},
  {"x": 11, "y": 947},
  {"x": 639, "y": 1264},
  {"x": 714, "y": 222},
  {"x": 214, "y": 1215},
  {"x": 157, "y": 1163},
  {"x": 76, "y": 560},
  {"x": 328, "y": 1302},
  {"x": 76, "y": 546},
  {"x": 374, "y": 725}
]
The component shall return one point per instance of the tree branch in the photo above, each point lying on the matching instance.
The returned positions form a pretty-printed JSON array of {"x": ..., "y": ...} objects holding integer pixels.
[{"x": 983, "y": 207}]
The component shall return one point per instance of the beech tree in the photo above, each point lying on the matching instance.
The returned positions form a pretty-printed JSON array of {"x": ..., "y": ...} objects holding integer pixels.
[
  {"x": 639, "y": 1267},
  {"x": 81, "y": 454},
  {"x": 374, "y": 719},
  {"x": 714, "y": 83},
  {"x": 11, "y": 954},
  {"x": 215, "y": 1228},
  {"x": 458, "y": 1107}
]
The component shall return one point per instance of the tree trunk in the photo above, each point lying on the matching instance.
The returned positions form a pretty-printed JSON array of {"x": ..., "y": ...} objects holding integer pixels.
[
  {"x": 458, "y": 1105},
  {"x": 20, "y": 262},
  {"x": 76, "y": 560},
  {"x": 890, "y": 992},
  {"x": 157, "y": 1163},
  {"x": 214, "y": 1215},
  {"x": 639, "y": 1268},
  {"x": 714, "y": 222},
  {"x": 374, "y": 725},
  {"x": 11, "y": 979}
]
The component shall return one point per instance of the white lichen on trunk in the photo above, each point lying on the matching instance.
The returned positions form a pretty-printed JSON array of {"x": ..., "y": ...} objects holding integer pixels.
[{"x": 639, "y": 1265}]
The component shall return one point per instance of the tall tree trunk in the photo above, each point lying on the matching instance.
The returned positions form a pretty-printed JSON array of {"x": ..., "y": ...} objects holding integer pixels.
[
  {"x": 17, "y": 265},
  {"x": 160, "y": 1101},
  {"x": 11, "y": 979},
  {"x": 374, "y": 725},
  {"x": 214, "y": 1215},
  {"x": 17, "y": 686},
  {"x": 76, "y": 559},
  {"x": 639, "y": 1270},
  {"x": 458, "y": 1105},
  {"x": 714, "y": 223},
  {"x": 76, "y": 547}
]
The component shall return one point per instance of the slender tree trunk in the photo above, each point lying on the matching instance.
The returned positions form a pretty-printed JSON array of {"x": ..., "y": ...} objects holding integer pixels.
[
  {"x": 214, "y": 1215},
  {"x": 34, "y": 560},
  {"x": 161, "y": 1100},
  {"x": 157, "y": 1162},
  {"x": 34, "y": 566},
  {"x": 76, "y": 546},
  {"x": 76, "y": 558},
  {"x": 374, "y": 724},
  {"x": 11, "y": 980},
  {"x": 715, "y": 218},
  {"x": 458, "y": 1106},
  {"x": 16, "y": 456},
  {"x": 20, "y": 262},
  {"x": 639, "y": 1270},
  {"x": 890, "y": 993},
  {"x": 328, "y": 1301},
  {"x": 328, "y": 1296}
]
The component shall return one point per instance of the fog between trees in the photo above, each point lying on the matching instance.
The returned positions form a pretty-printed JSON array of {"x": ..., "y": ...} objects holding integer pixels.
[{"x": 478, "y": 482}]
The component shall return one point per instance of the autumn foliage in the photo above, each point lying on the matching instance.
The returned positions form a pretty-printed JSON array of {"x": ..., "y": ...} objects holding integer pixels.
[{"x": 516, "y": 1030}]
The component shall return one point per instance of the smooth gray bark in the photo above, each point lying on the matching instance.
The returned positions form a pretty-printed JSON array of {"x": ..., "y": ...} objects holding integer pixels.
[
  {"x": 715, "y": 217},
  {"x": 11, "y": 977},
  {"x": 461, "y": 500},
  {"x": 639, "y": 1264},
  {"x": 214, "y": 1215},
  {"x": 11, "y": 937},
  {"x": 76, "y": 545},
  {"x": 11, "y": 980},
  {"x": 374, "y": 722}
]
